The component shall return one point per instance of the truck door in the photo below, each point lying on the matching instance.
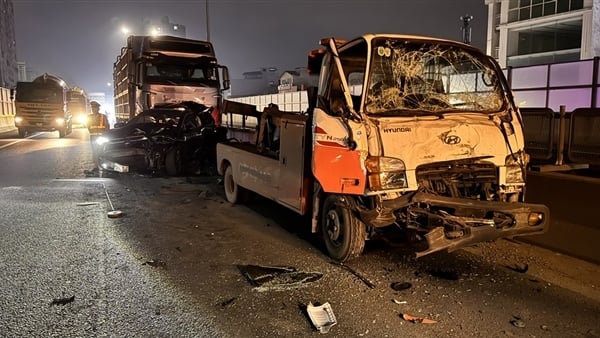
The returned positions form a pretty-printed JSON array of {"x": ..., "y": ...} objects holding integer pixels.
[{"x": 292, "y": 147}]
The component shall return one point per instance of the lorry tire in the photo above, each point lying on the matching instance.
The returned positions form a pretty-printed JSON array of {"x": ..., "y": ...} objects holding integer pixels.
[
  {"x": 344, "y": 234},
  {"x": 62, "y": 133},
  {"x": 22, "y": 132},
  {"x": 173, "y": 162},
  {"x": 233, "y": 192}
]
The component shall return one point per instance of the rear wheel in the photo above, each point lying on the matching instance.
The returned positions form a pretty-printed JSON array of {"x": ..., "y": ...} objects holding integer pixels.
[
  {"x": 22, "y": 132},
  {"x": 344, "y": 234},
  {"x": 233, "y": 192},
  {"x": 173, "y": 164}
]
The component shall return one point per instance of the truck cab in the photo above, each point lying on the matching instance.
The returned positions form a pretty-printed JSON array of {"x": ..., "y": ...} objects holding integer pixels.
[
  {"x": 41, "y": 105},
  {"x": 410, "y": 133}
]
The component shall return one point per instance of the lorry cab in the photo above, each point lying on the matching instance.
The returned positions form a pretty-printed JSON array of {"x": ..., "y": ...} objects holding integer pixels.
[{"x": 413, "y": 133}]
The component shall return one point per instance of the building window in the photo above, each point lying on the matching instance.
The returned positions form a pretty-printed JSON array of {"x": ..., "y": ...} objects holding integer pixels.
[
  {"x": 559, "y": 41},
  {"x": 519, "y": 10}
]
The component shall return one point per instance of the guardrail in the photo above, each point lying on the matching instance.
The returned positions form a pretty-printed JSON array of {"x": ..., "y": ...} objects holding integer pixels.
[{"x": 562, "y": 137}]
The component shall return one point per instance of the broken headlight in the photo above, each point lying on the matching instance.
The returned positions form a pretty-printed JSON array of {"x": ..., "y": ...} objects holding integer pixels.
[
  {"x": 385, "y": 173},
  {"x": 515, "y": 167}
]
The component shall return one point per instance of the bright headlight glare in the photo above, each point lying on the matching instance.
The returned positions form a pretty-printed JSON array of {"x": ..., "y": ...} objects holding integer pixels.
[
  {"x": 18, "y": 119},
  {"x": 82, "y": 119},
  {"x": 385, "y": 173},
  {"x": 101, "y": 140},
  {"x": 60, "y": 121}
]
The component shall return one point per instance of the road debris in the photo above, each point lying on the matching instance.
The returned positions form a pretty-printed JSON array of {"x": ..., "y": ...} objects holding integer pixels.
[
  {"x": 444, "y": 274},
  {"x": 517, "y": 322},
  {"x": 355, "y": 273},
  {"x": 321, "y": 316},
  {"x": 156, "y": 263},
  {"x": 62, "y": 301},
  {"x": 85, "y": 204},
  {"x": 413, "y": 319},
  {"x": 228, "y": 302},
  {"x": 265, "y": 278},
  {"x": 399, "y": 286},
  {"x": 399, "y": 301},
  {"x": 520, "y": 268}
]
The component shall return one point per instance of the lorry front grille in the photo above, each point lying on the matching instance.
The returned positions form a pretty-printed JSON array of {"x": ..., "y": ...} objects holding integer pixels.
[{"x": 461, "y": 179}]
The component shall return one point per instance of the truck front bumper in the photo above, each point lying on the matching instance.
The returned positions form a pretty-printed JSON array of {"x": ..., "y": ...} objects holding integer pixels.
[{"x": 451, "y": 223}]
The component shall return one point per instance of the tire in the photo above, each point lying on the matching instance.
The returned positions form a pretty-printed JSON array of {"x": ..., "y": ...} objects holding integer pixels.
[
  {"x": 344, "y": 234},
  {"x": 173, "y": 162},
  {"x": 62, "y": 133},
  {"x": 22, "y": 132},
  {"x": 233, "y": 192}
]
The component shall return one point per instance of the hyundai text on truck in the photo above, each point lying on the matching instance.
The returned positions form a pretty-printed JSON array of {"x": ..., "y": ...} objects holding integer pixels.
[
  {"x": 166, "y": 69},
  {"x": 407, "y": 133},
  {"x": 41, "y": 105}
]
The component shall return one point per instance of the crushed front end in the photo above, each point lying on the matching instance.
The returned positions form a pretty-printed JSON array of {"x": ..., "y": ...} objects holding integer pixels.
[{"x": 458, "y": 203}]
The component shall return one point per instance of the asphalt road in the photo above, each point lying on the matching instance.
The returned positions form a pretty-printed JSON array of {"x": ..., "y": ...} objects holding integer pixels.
[{"x": 172, "y": 265}]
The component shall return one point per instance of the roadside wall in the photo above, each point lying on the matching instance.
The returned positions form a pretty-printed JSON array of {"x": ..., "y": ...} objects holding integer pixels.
[
  {"x": 7, "y": 110},
  {"x": 573, "y": 202}
]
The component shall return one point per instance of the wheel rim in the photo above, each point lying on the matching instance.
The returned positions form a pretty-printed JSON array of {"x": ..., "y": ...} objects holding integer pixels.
[{"x": 334, "y": 228}]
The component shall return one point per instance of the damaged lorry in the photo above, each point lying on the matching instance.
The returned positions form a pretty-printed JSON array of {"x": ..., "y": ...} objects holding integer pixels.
[{"x": 404, "y": 133}]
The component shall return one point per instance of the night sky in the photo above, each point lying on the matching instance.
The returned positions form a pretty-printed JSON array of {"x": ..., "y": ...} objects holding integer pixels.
[{"x": 79, "y": 39}]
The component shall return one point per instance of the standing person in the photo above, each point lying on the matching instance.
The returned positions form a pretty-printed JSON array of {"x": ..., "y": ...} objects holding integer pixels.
[{"x": 97, "y": 125}]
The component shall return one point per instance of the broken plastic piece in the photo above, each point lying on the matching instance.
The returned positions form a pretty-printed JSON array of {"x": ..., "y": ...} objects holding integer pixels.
[
  {"x": 399, "y": 286},
  {"x": 264, "y": 277},
  {"x": 414, "y": 319},
  {"x": 321, "y": 316},
  {"x": 62, "y": 301}
]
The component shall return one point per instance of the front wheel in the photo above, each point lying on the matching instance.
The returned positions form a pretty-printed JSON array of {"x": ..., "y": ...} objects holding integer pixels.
[
  {"x": 22, "y": 132},
  {"x": 62, "y": 132},
  {"x": 344, "y": 234},
  {"x": 173, "y": 163}
]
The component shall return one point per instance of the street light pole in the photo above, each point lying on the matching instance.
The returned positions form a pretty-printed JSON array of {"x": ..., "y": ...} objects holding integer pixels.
[{"x": 207, "y": 24}]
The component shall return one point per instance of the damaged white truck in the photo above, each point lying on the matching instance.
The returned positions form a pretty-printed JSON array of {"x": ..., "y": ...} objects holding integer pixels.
[{"x": 406, "y": 132}]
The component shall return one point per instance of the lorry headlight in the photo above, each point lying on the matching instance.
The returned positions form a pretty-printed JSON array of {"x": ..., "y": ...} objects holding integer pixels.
[
  {"x": 18, "y": 119},
  {"x": 101, "y": 140},
  {"x": 515, "y": 166},
  {"x": 82, "y": 119},
  {"x": 60, "y": 121},
  {"x": 385, "y": 173}
]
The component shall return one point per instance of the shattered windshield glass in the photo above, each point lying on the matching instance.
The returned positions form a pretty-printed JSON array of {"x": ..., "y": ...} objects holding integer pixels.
[{"x": 427, "y": 77}]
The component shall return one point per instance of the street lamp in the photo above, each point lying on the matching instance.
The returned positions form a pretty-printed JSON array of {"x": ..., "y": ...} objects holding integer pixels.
[{"x": 124, "y": 30}]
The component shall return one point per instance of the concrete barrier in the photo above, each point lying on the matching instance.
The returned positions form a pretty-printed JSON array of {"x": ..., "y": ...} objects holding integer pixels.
[{"x": 574, "y": 210}]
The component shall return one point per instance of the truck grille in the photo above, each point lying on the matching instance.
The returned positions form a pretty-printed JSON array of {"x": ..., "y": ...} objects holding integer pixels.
[{"x": 460, "y": 179}]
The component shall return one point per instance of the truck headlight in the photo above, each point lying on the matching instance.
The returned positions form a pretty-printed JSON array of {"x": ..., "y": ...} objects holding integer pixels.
[
  {"x": 101, "y": 140},
  {"x": 385, "y": 173},
  {"x": 60, "y": 121},
  {"x": 18, "y": 119},
  {"x": 82, "y": 119},
  {"x": 515, "y": 167}
]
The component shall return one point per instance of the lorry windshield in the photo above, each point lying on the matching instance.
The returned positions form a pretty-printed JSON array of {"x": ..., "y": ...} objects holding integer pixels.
[
  {"x": 412, "y": 76},
  {"x": 186, "y": 74},
  {"x": 30, "y": 92}
]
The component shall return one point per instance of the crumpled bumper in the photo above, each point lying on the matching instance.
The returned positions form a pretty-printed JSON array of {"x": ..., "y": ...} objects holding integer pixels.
[{"x": 507, "y": 220}]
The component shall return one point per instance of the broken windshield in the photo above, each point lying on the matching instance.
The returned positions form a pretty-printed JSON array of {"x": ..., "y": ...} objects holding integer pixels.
[{"x": 410, "y": 76}]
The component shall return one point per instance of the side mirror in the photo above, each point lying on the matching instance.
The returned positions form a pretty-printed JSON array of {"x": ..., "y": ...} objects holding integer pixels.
[{"x": 225, "y": 76}]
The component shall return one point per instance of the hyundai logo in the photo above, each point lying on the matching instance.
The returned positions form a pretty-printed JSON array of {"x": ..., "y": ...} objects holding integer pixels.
[{"x": 452, "y": 139}]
